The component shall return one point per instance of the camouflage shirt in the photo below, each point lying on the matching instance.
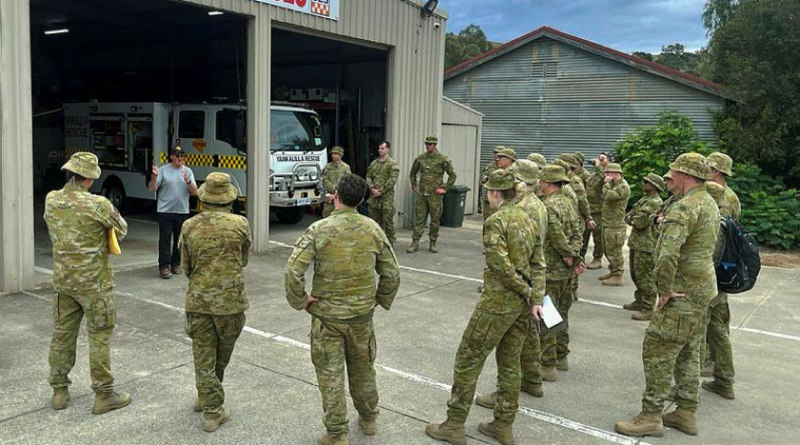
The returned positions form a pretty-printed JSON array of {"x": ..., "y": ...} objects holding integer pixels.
[
  {"x": 510, "y": 239},
  {"x": 642, "y": 218},
  {"x": 432, "y": 168},
  {"x": 332, "y": 174},
  {"x": 615, "y": 202},
  {"x": 594, "y": 190},
  {"x": 214, "y": 249},
  {"x": 382, "y": 175},
  {"x": 726, "y": 199},
  {"x": 347, "y": 249},
  {"x": 564, "y": 236},
  {"x": 578, "y": 186},
  {"x": 78, "y": 223},
  {"x": 537, "y": 212},
  {"x": 686, "y": 246},
  {"x": 490, "y": 167}
]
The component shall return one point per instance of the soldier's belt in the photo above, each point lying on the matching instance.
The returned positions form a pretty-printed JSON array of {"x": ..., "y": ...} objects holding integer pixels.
[{"x": 355, "y": 320}]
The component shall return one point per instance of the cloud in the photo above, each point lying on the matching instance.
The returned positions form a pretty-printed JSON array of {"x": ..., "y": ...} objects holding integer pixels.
[{"x": 626, "y": 25}]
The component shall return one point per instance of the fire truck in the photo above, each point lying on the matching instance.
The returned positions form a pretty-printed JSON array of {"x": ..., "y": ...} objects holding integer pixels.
[{"x": 129, "y": 138}]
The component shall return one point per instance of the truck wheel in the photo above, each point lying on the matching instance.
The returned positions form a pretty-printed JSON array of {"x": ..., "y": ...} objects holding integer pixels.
[
  {"x": 290, "y": 215},
  {"x": 116, "y": 194}
]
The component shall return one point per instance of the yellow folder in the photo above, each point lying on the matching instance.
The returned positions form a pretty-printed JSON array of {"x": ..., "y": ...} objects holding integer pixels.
[{"x": 113, "y": 244}]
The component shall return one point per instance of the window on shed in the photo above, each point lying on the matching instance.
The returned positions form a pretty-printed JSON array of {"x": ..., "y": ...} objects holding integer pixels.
[{"x": 544, "y": 70}]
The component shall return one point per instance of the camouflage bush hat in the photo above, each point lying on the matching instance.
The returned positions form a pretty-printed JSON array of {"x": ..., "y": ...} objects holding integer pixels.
[
  {"x": 656, "y": 180},
  {"x": 613, "y": 168},
  {"x": 507, "y": 153},
  {"x": 431, "y": 139},
  {"x": 563, "y": 164},
  {"x": 581, "y": 157},
  {"x": 668, "y": 175},
  {"x": 217, "y": 189},
  {"x": 497, "y": 149},
  {"x": 721, "y": 162},
  {"x": 570, "y": 159},
  {"x": 501, "y": 179},
  {"x": 83, "y": 164},
  {"x": 526, "y": 171},
  {"x": 693, "y": 164},
  {"x": 337, "y": 150},
  {"x": 538, "y": 159},
  {"x": 553, "y": 173}
]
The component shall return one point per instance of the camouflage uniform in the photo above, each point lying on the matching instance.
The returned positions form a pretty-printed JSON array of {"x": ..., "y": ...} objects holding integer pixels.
[
  {"x": 502, "y": 318},
  {"x": 594, "y": 194},
  {"x": 577, "y": 185},
  {"x": 615, "y": 202},
  {"x": 347, "y": 250},
  {"x": 490, "y": 167},
  {"x": 78, "y": 223},
  {"x": 331, "y": 175},
  {"x": 642, "y": 244},
  {"x": 382, "y": 175},
  {"x": 214, "y": 251},
  {"x": 431, "y": 168}
]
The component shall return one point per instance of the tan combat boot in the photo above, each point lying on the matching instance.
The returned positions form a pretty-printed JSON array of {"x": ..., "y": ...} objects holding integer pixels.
[
  {"x": 549, "y": 374},
  {"x": 595, "y": 264},
  {"x": 414, "y": 247},
  {"x": 368, "y": 427},
  {"x": 448, "y": 431},
  {"x": 641, "y": 425},
  {"x": 614, "y": 280},
  {"x": 713, "y": 386},
  {"x": 212, "y": 423},
  {"x": 635, "y": 306},
  {"x": 501, "y": 431},
  {"x": 486, "y": 400},
  {"x": 108, "y": 401},
  {"x": 433, "y": 248},
  {"x": 327, "y": 439},
  {"x": 60, "y": 398},
  {"x": 605, "y": 277},
  {"x": 563, "y": 364},
  {"x": 643, "y": 316},
  {"x": 681, "y": 419},
  {"x": 535, "y": 390}
]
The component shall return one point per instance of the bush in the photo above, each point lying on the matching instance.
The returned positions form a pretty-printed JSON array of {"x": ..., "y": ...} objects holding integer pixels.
[
  {"x": 652, "y": 149},
  {"x": 769, "y": 211}
]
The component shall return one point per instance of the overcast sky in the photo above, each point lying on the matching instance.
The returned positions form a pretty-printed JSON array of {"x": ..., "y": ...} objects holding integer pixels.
[{"x": 625, "y": 25}]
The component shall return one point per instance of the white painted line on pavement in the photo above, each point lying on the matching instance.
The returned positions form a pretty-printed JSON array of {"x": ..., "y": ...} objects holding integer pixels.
[
  {"x": 771, "y": 334},
  {"x": 600, "y": 303}
]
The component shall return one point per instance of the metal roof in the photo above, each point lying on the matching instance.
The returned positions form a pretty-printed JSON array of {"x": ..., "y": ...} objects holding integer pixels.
[{"x": 595, "y": 48}]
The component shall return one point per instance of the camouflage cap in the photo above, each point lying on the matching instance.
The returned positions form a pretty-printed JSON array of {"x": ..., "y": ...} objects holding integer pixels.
[
  {"x": 431, "y": 139},
  {"x": 553, "y": 173},
  {"x": 581, "y": 157},
  {"x": 539, "y": 159},
  {"x": 507, "y": 153},
  {"x": 501, "y": 179},
  {"x": 656, "y": 180},
  {"x": 83, "y": 164},
  {"x": 570, "y": 159},
  {"x": 668, "y": 176},
  {"x": 613, "y": 168},
  {"x": 721, "y": 162},
  {"x": 526, "y": 171},
  {"x": 337, "y": 150},
  {"x": 693, "y": 164},
  {"x": 217, "y": 189}
]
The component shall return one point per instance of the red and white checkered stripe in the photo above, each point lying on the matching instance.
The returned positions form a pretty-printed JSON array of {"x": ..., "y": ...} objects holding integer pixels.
[{"x": 320, "y": 8}]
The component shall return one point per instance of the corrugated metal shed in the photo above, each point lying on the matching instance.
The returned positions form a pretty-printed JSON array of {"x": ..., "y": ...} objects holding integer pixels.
[
  {"x": 554, "y": 93},
  {"x": 461, "y": 142}
]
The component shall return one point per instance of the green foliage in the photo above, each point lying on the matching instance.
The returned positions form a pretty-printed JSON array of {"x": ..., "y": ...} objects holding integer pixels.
[
  {"x": 675, "y": 56},
  {"x": 769, "y": 210},
  {"x": 468, "y": 43},
  {"x": 652, "y": 149}
]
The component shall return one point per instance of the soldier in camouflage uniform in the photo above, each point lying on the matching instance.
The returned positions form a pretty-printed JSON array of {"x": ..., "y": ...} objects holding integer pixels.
[
  {"x": 431, "y": 167},
  {"x": 686, "y": 283},
  {"x": 574, "y": 165},
  {"x": 562, "y": 253},
  {"x": 501, "y": 319},
  {"x": 582, "y": 172},
  {"x": 347, "y": 251},
  {"x": 616, "y": 193},
  {"x": 504, "y": 160},
  {"x": 381, "y": 179},
  {"x": 214, "y": 251},
  {"x": 720, "y": 353},
  {"x": 642, "y": 245},
  {"x": 79, "y": 224},
  {"x": 331, "y": 174},
  {"x": 540, "y": 162},
  {"x": 594, "y": 194},
  {"x": 490, "y": 167}
]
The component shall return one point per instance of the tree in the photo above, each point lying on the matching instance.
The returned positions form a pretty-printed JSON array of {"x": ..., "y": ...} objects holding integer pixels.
[
  {"x": 643, "y": 55},
  {"x": 717, "y": 12},
  {"x": 468, "y": 43}
]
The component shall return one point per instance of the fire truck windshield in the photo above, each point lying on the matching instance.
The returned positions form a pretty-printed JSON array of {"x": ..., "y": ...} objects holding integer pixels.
[{"x": 295, "y": 131}]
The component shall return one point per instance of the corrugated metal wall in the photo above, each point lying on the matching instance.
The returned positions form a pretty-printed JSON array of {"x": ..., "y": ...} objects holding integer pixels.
[
  {"x": 549, "y": 97},
  {"x": 461, "y": 140}
]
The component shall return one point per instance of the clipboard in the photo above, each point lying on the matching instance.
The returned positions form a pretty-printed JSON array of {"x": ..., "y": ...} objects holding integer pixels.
[{"x": 552, "y": 322}]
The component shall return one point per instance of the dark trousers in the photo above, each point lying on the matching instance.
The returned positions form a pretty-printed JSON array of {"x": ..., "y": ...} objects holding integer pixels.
[{"x": 169, "y": 230}]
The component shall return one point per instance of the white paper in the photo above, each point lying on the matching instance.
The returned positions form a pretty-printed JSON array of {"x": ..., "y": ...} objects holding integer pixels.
[{"x": 551, "y": 317}]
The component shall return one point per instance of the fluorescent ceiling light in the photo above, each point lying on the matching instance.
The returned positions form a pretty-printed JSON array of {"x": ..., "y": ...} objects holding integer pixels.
[
  {"x": 215, "y": 13},
  {"x": 56, "y": 31}
]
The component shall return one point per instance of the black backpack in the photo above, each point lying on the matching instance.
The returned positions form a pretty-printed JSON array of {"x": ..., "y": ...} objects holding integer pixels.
[{"x": 739, "y": 262}]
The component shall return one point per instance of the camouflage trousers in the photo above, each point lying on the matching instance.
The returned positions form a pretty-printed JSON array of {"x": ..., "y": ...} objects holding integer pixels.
[
  {"x": 556, "y": 346},
  {"x": 613, "y": 242},
  {"x": 334, "y": 345},
  {"x": 643, "y": 276},
  {"x": 101, "y": 316},
  {"x": 428, "y": 205},
  {"x": 213, "y": 339},
  {"x": 718, "y": 341},
  {"x": 484, "y": 333},
  {"x": 671, "y": 349},
  {"x": 532, "y": 359},
  {"x": 382, "y": 211},
  {"x": 597, "y": 234}
]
